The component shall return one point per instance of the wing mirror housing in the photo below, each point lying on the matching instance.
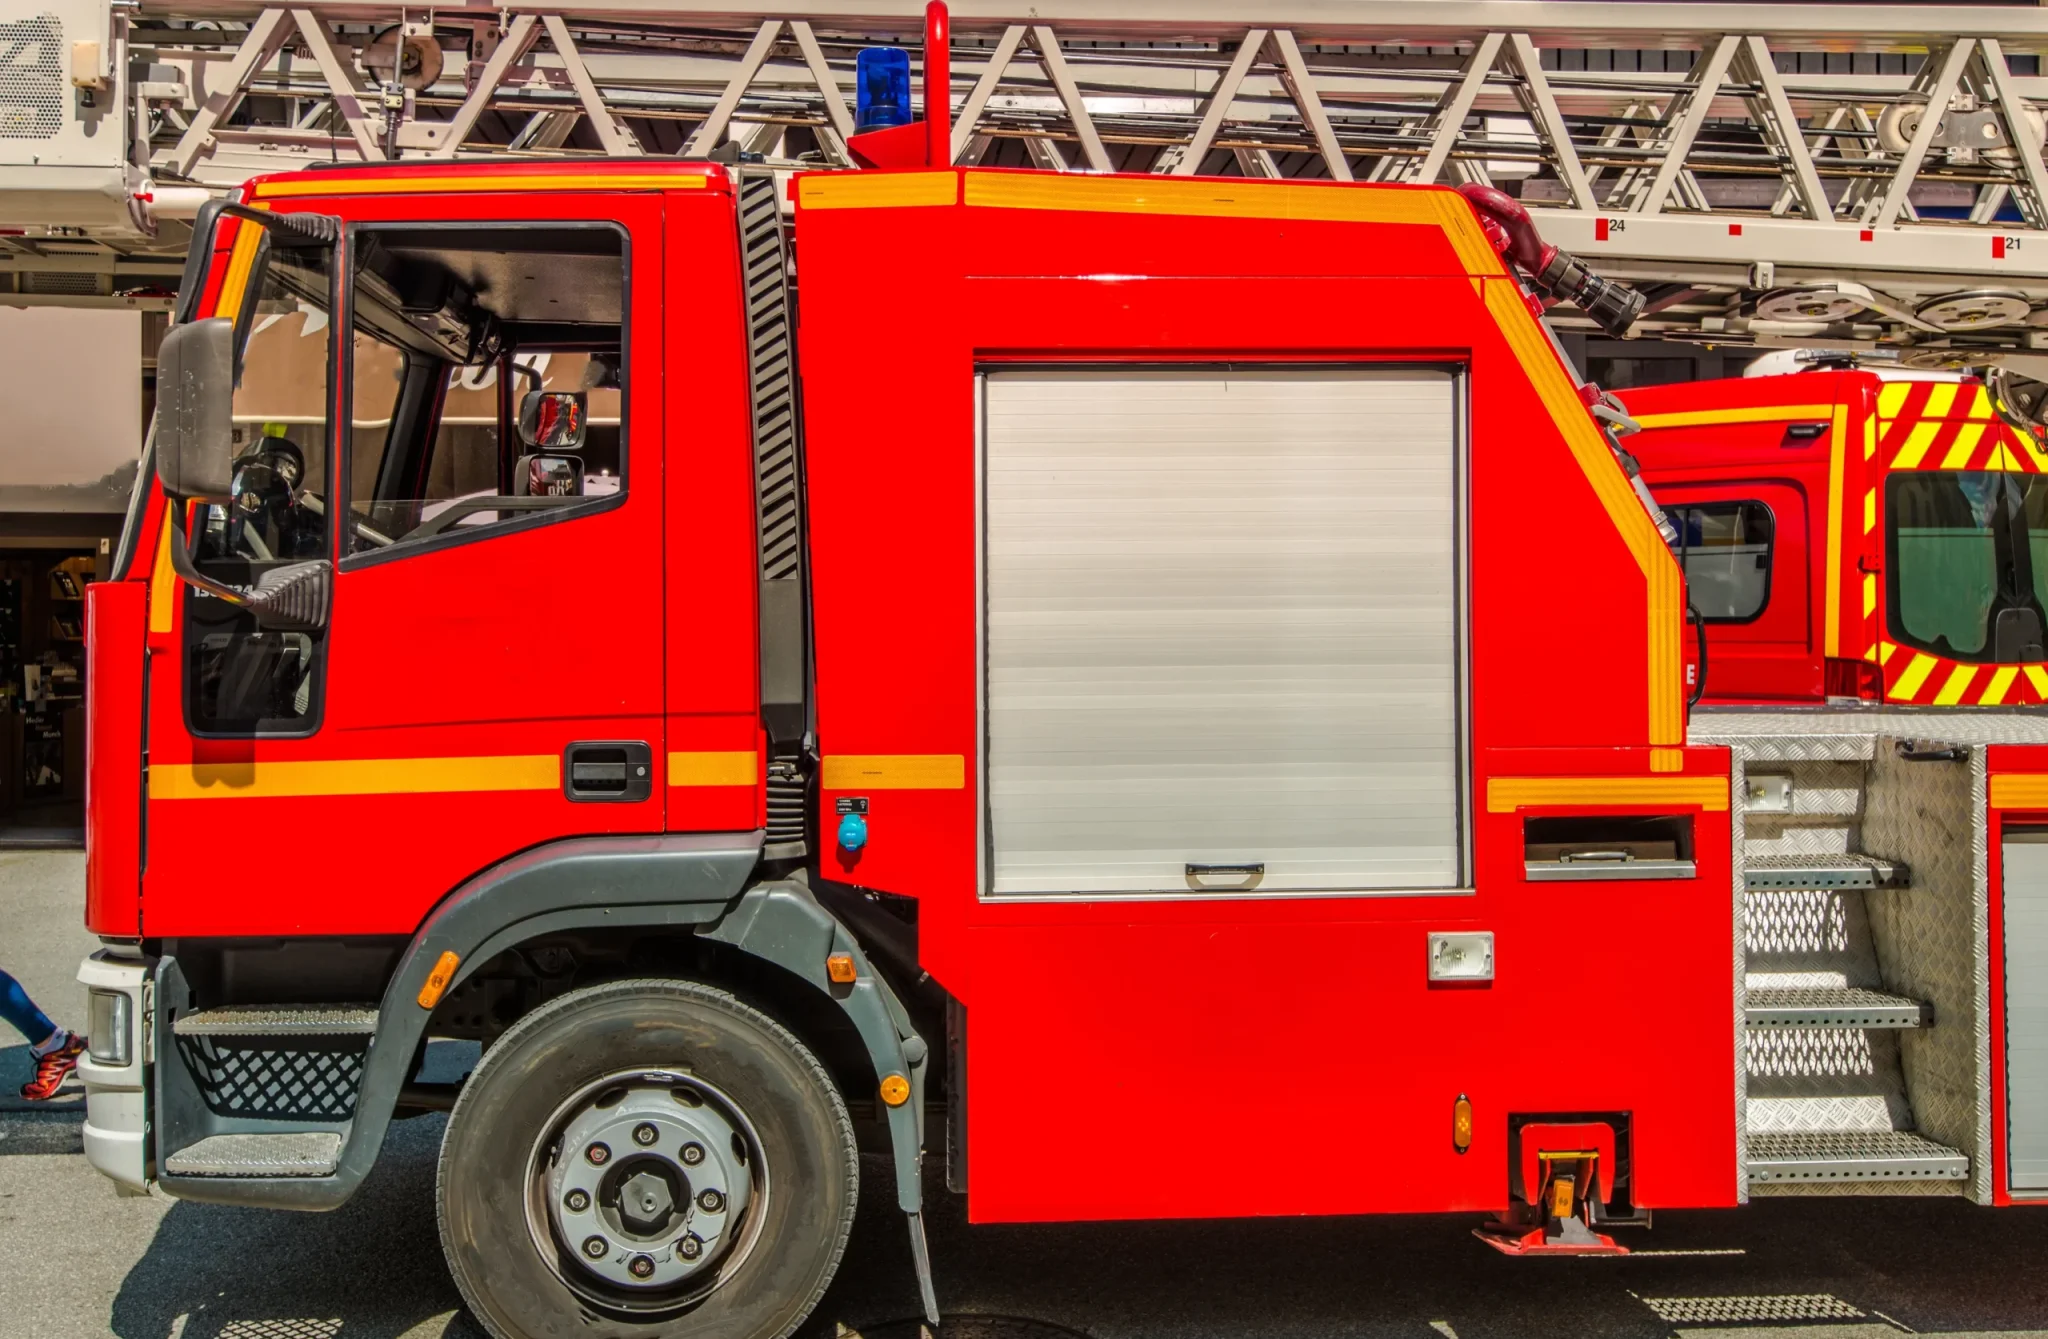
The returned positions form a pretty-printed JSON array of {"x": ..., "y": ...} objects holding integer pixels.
[
  {"x": 553, "y": 420},
  {"x": 195, "y": 406}
]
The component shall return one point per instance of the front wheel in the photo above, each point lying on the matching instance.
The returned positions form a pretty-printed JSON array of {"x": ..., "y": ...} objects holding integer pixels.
[{"x": 642, "y": 1159}]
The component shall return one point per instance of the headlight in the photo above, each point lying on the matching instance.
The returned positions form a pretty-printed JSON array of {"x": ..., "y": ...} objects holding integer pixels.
[{"x": 106, "y": 1013}]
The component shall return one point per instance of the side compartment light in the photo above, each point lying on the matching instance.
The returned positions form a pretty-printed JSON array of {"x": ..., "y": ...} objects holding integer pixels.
[
  {"x": 107, "y": 1020},
  {"x": 1461, "y": 1123},
  {"x": 881, "y": 89},
  {"x": 438, "y": 979},
  {"x": 839, "y": 967}
]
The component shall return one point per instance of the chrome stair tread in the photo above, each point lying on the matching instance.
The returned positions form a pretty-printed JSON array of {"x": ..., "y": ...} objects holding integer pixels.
[
  {"x": 1852, "y": 1155},
  {"x": 1765, "y": 873},
  {"x": 279, "y": 1020},
  {"x": 1833, "y": 1006},
  {"x": 292, "y": 1153}
]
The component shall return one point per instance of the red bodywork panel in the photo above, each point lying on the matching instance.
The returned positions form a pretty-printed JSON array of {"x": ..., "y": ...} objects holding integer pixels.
[
  {"x": 1137, "y": 1019},
  {"x": 1316, "y": 1010},
  {"x": 114, "y": 614}
]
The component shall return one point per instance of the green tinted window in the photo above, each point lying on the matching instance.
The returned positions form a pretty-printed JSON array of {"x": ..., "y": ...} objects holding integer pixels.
[{"x": 1944, "y": 565}]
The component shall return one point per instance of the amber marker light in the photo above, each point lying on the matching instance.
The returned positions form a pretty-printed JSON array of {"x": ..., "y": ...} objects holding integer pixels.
[
  {"x": 840, "y": 968},
  {"x": 1461, "y": 1123},
  {"x": 895, "y": 1090},
  {"x": 438, "y": 979}
]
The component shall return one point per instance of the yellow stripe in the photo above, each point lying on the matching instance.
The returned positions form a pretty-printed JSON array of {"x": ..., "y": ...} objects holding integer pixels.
[
  {"x": 2038, "y": 677},
  {"x": 1891, "y": 398},
  {"x": 1917, "y": 441},
  {"x": 713, "y": 769},
  {"x": 1869, "y": 438},
  {"x": 163, "y": 582},
  {"x": 1870, "y": 511},
  {"x": 1869, "y": 594},
  {"x": 894, "y": 771},
  {"x": 1964, "y": 446},
  {"x": 1940, "y": 400},
  {"x": 352, "y": 776},
  {"x": 1885, "y": 652},
  {"x": 1831, "y": 624},
  {"x": 1660, "y": 570},
  {"x": 1505, "y": 794},
  {"x": 877, "y": 190},
  {"x": 241, "y": 260},
  {"x": 1914, "y": 675},
  {"x": 2001, "y": 679},
  {"x": 1773, "y": 413},
  {"x": 2019, "y": 790},
  {"x": 1958, "y": 682},
  {"x": 1980, "y": 404},
  {"x": 1667, "y": 760},
  {"x": 567, "y": 181}
]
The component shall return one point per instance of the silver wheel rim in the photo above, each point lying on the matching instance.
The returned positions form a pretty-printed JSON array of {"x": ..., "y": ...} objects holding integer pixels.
[{"x": 646, "y": 1190}]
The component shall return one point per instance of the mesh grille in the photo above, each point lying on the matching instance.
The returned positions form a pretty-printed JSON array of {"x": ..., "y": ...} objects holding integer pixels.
[
  {"x": 772, "y": 369},
  {"x": 312, "y": 1078},
  {"x": 59, "y": 282},
  {"x": 32, "y": 84}
]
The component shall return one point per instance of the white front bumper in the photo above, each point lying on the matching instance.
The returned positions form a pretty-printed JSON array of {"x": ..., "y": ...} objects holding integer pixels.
[{"x": 116, "y": 1110}]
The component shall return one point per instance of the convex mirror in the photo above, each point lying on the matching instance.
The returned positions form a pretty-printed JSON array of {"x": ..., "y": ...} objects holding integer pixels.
[{"x": 553, "y": 420}]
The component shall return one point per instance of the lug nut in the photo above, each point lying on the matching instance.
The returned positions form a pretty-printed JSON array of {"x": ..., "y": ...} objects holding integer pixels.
[
  {"x": 578, "y": 1201},
  {"x": 711, "y": 1201},
  {"x": 644, "y": 1133},
  {"x": 689, "y": 1248},
  {"x": 595, "y": 1247},
  {"x": 599, "y": 1154},
  {"x": 693, "y": 1154},
  {"x": 641, "y": 1267}
]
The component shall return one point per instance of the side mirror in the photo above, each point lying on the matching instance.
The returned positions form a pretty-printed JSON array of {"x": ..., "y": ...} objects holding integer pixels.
[
  {"x": 549, "y": 420},
  {"x": 195, "y": 401}
]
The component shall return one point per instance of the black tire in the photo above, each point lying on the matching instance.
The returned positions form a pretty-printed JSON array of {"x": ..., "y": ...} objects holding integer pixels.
[{"x": 806, "y": 1139}]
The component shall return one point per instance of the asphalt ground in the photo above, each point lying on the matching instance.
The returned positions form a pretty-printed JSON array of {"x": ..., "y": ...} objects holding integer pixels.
[{"x": 77, "y": 1262}]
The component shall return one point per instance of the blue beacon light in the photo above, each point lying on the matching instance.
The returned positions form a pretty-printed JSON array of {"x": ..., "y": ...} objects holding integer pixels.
[{"x": 881, "y": 86}]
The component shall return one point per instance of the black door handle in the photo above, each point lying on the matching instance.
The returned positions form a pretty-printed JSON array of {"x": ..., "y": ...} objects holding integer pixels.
[{"x": 613, "y": 770}]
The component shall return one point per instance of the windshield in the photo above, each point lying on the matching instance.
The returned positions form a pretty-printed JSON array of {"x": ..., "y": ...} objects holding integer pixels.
[{"x": 1968, "y": 561}]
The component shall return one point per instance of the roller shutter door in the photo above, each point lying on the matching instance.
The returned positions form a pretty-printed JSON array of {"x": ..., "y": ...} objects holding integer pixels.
[{"x": 1221, "y": 630}]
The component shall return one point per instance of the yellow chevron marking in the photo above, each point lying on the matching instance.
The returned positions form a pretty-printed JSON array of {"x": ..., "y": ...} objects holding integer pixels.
[
  {"x": 1917, "y": 441},
  {"x": 1915, "y": 675},
  {"x": 1885, "y": 652},
  {"x": 1870, "y": 511},
  {"x": 2038, "y": 677},
  {"x": 1869, "y": 594},
  {"x": 1968, "y": 437},
  {"x": 713, "y": 769},
  {"x": 1940, "y": 400},
  {"x": 1980, "y": 404},
  {"x": 1505, "y": 794},
  {"x": 1869, "y": 438},
  {"x": 1958, "y": 683},
  {"x": 894, "y": 771},
  {"x": 2001, "y": 679},
  {"x": 2017, "y": 790},
  {"x": 1891, "y": 398},
  {"x": 352, "y": 776}
]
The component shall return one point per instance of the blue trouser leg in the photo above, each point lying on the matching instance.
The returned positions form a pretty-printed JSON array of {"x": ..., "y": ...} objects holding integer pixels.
[{"x": 17, "y": 1008}]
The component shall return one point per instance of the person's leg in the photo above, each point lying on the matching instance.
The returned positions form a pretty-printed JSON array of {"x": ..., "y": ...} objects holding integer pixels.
[{"x": 20, "y": 1011}]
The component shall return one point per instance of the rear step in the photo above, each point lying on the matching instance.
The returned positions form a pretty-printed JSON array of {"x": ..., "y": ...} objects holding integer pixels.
[
  {"x": 309, "y": 1153},
  {"x": 1769, "y": 873},
  {"x": 1833, "y": 1007},
  {"x": 1852, "y": 1155},
  {"x": 279, "y": 1020}
]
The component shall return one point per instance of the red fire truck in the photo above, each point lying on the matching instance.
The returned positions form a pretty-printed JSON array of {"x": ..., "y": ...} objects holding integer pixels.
[
  {"x": 1860, "y": 533},
  {"x": 1071, "y": 677}
]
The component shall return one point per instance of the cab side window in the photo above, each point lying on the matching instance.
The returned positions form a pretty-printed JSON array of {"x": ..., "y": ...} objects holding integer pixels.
[
  {"x": 511, "y": 405},
  {"x": 1725, "y": 548}
]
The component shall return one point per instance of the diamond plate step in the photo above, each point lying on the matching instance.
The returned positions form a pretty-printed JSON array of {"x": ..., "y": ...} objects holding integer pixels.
[
  {"x": 310, "y": 1153},
  {"x": 279, "y": 1020},
  {"x": 1852, "y": 1155},
  {"x": 1833, "y": 1007},
  {"x": 1766, "y": 873}
]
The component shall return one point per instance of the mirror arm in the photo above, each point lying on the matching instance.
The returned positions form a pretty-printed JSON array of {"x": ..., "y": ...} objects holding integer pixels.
[
  {"x": 294, "y": 596},
  {"x": 187, "y": 570}
]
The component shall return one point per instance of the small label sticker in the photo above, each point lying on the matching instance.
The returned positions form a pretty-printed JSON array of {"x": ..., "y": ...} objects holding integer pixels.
[{"x": 851, "y": 804}]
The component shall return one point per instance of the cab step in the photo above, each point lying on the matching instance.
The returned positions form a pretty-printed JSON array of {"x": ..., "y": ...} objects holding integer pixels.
[
  {"x": 1833, "y": 1007},
  {"x": 295, "y": 1153},
  {"x": 279, "y": 1020},
  {"x": 1774, "y": 873},
  {"x": 1851, "y": 1155}
]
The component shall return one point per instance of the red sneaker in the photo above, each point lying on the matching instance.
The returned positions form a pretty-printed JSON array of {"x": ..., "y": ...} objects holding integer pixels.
[{"x": 52, "y": 1069}]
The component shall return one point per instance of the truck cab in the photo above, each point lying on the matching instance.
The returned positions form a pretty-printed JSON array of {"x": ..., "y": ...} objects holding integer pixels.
[{"x": 1852, "y": 533}]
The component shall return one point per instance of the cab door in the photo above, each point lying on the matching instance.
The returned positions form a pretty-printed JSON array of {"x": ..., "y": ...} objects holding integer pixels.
[
  {"x": 1744, "y": 547},
  {"x": 464, "y": 418}
]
